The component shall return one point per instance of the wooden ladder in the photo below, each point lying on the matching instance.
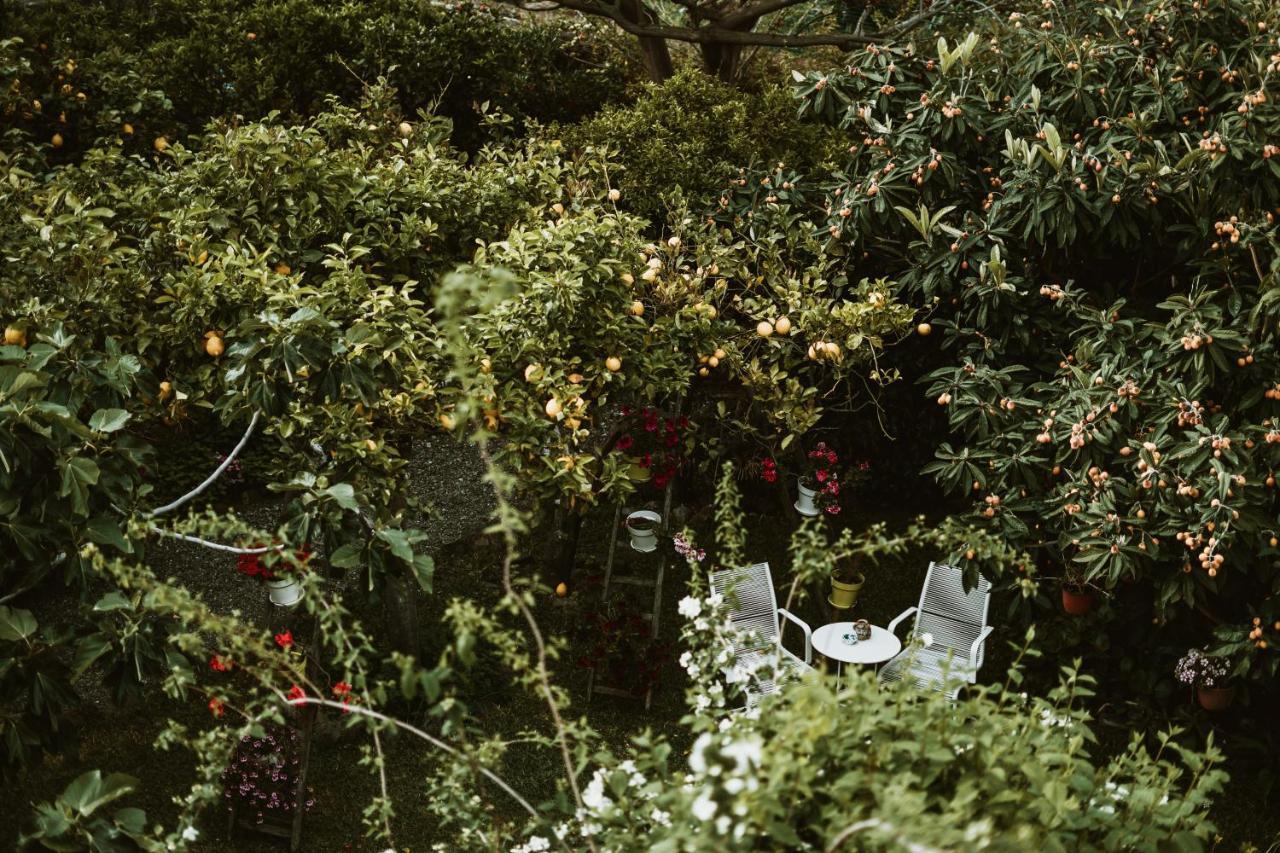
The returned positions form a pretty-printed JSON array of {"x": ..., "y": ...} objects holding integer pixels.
[{"x": 655, "y": 582}]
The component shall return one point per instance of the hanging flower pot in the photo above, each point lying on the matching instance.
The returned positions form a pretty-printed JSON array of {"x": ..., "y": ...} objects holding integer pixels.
[
  {"x": 846, "y": 585},
  {"x": 805, "y": 501},
  {"x": 284, "y": 591},
  {"x": 643, "y": 526},
  {"x": 1215, "y": 698},
  {"x": 1077, "y": 600}
]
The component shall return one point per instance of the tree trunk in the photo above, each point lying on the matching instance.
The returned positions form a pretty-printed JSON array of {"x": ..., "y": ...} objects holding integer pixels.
[
  {"x": 562, "y": 552},
  {"x": 723, "y": 61},
  {"x": 402, "y": 613},
  {"x": 653, "y": 51}
]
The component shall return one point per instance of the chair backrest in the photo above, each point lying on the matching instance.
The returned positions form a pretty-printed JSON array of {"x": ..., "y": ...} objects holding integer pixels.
[
  {"x": 754, "y": 606},
  {"x": 944, "y": 595}
]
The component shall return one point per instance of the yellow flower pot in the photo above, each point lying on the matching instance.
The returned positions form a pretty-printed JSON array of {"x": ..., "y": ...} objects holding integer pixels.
[{"x": 844, "y": 594}]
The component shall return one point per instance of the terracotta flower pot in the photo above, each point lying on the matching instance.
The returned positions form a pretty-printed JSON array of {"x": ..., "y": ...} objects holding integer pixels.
[
  {"x": 1215, "y": 698},
  {"x": 844, "y": 594},
  {"x": 1077, "y": 602}
]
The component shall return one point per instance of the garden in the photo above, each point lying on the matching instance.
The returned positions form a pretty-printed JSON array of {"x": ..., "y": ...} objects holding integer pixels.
[{"x": 609, "y": 426}]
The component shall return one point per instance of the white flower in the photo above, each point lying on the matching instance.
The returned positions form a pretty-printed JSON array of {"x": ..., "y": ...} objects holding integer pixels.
[
  {"x": 704, "y": 808},
  {"x": 533, "y": 845},
  {"x": 926, "y": 640},
  {"x": 745, "y": 753},
  {"x": 697, "y": 762},
  {"x": 593, "y": 797},
  {"x": 660, "y": 817},
  {"x": 614, "y": 195},
  {"x": 715, "y": 599},
  {"x": 190, "y": 834},
  {"x": 690, "y": 607}
]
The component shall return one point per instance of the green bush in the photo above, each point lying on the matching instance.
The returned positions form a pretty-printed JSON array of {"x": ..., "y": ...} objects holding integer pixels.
[
  {"x": 692, "y": 134},
  {"x": 220, "y": 58}
]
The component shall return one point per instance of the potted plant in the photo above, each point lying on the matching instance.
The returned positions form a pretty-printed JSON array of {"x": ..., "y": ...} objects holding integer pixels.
[
  {"x": 278, "y": 572},
  {"x": 1207, "y": 675},
  {"x": 643, "y": 526},
  {"x": 260, "y": 785},
  {"x": 1077, "y": 596},
  {"x": 846, "y": 584},
  {"x": 819, "y": 487}
]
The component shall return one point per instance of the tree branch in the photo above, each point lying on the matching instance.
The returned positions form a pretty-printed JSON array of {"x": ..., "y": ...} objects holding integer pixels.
[{"x": 217, "y": 472}]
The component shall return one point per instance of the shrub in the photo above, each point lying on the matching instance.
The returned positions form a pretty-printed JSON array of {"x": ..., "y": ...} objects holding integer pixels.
[
  {"x": 249, "y": 57},
  {"x": 692, "y": 133}
]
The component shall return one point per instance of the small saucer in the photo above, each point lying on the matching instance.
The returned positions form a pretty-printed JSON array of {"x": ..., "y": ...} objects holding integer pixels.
[{"x": 814, "y": 514}]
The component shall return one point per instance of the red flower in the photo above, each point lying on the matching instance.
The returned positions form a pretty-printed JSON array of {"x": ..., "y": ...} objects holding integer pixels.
[
  {"x": 671, "y": 440},
  {"x": 660, "y": 480},
  {"x": 769, "y": 475},
  {"x": 650, "y": 421},
  {"x": 684, "y": 422},
  {"x": 215, "y": 706},
  {"x": 284, "y": 640},
  {"x": 341, "y": 689},
  {"x": 296, "y": 694},
  {"x": 831, "y": 457},
  {"x": 833, "y": 509},
  {"x": 646, "y": 461},
  {"x": 821, "y": 475},
  {"x": 626, "y": 442},
  {"x": 249, "y": 564},
  {"x": 220, "y": 664},
  {"x": 833, "y": 488}
]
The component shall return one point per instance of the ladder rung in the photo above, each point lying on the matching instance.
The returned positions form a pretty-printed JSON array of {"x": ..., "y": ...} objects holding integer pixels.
[
  {"x": 614, "y": 691},
  {"x": 634, "y": 580}
]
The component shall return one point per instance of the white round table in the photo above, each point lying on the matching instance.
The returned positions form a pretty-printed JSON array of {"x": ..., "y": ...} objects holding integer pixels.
[{"x": 878, "y": 648}]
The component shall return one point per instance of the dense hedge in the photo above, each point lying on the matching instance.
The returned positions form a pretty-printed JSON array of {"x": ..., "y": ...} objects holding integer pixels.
[
  {"x": 692, "y": 133},
  {"x": 250, "y": 57}
]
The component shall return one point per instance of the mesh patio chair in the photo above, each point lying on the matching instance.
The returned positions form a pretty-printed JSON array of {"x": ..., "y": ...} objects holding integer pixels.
[
  {"x": 755, "y": 614},
  {"x": 956, "y": 622}
]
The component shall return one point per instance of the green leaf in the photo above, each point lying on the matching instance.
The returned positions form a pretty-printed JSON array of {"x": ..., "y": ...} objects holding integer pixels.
[
  {"x": 344, "y": 495},
  {"x": 346, "y": 556},
  {"x": 90, "y": 791},
  {"x": 398, "y": 542},
  {"x": 112, "y": 601},
  {"x": 88, "y": 650},
  {"x": 423, "y": 569},
  {"x": 16, "y": 624},
  {"x": 108, "y": 420},
  {"x": 105, "y": 531}
]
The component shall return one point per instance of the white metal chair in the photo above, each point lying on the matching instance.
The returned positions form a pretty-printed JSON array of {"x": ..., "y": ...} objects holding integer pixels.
[
  {"x": 754, "y": 613},
  {"x": 956, "y": 622}
]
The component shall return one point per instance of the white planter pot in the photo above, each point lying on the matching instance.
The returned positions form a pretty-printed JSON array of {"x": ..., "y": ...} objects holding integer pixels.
[
  {"x": 284, "y": 592},
  {"x": 804, "y": 503},
  {"x": 644, "y": 540}
]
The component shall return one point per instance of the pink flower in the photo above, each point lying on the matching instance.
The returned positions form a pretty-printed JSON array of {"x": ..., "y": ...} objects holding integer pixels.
[
  {"x": 833, "y": 488},
  {"x": 833, "y": 509},
  {"x": 820, "y": 475}
]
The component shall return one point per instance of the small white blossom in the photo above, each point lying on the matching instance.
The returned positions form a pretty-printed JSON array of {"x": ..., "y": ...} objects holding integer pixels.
[
  {"x": 660, "y": 817},
  {"x": 704, "y": 808},
  {"x": 190, "y": 834},
  {"x": 690, "y": 607}
]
